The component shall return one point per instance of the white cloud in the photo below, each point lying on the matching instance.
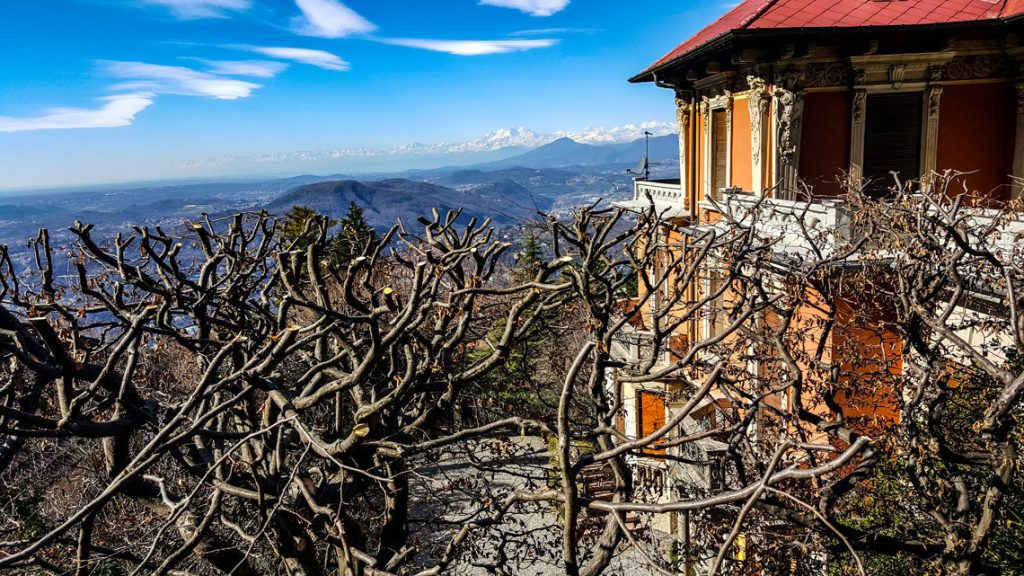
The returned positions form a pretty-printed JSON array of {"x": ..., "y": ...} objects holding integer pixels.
[
  {"x": 551, "y": 32},
  {"x": 193, "y": 9},
  {"x": 329, "y": 19},
  {"x": 177, "y": 80},
  {"x": 534, "y": 7},
  {"x": 471, "y": 47},
  {"x": 119, "y": 110},
  {"x": 250, "y": 68},
  {"x": 317, "y": 58}
]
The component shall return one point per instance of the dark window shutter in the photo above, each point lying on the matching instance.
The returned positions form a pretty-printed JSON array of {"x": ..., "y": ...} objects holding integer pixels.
[
  {"x": 720, "y": 133},
  {"x": 892, "y": 139}
]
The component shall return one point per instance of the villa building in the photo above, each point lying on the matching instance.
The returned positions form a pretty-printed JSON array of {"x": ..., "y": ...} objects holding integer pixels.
[{"x": 790, "y": 101}]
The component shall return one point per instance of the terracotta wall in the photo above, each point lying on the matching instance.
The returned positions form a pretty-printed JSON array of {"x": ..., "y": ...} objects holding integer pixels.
[
  {"x": 867, "y": 350},
  {"x": 869, "y": 353},
  {"x": 976, "y": 133},
  {"x": 741, "y": 142},
  {"x": 825, "y": 141}
]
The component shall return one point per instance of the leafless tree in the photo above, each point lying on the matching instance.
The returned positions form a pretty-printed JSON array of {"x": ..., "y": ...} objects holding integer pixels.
[{"x": 229, "y": 403}]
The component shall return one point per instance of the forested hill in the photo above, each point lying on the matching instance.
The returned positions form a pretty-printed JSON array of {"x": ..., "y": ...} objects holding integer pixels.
[{"x": 384, "y": 201}]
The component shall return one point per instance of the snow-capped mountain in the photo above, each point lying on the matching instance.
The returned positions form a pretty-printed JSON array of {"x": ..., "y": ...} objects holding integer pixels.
[
  {"x": 514, "y": 139},
  {"x": 525, "y": 138}
]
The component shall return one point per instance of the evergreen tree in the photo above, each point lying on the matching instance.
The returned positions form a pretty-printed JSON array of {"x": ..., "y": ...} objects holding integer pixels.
[
  {"x": 294, "y": 228},
  {"x": 353, "y": 238},
  {"x": 529, "y": 260},
  {"x": 523, "y": 382}
]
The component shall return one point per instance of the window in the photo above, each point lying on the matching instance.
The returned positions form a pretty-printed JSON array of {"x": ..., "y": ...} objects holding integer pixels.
[
  {"x": 651, "y": 417},
  {"x": 892, "y": 139},
  {"x": 720, "y": 151}
]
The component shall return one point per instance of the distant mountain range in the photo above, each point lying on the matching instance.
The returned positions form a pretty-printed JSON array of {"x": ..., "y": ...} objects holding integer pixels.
[
  {"x": 496, "y": 145},
  {"x": 385, "y": 201},
  {"x": 568, "y": 152},
  {"x": 555, "y": 178},
  {"x": 509, "y": 191}
]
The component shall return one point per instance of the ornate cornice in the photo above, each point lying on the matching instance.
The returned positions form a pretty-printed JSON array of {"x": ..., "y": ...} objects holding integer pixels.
[
  {"x": 977, "y": 67},
  {"x": 827, "y": 75}
]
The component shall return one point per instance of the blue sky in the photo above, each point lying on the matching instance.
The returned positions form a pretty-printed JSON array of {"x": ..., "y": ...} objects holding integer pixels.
[{"x": 97, "y": 91}]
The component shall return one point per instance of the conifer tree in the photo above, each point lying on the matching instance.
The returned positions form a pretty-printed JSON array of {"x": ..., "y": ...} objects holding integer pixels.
[
  {"x": 529, "y": 259},
  {"x": 294, "y": 227},
  {"x": 522, "y": 380},
  {"x": 354, "y": 237}
]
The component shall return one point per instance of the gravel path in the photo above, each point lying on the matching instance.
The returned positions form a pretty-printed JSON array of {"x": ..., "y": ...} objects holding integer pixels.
[{"x": 463, "y": 485}]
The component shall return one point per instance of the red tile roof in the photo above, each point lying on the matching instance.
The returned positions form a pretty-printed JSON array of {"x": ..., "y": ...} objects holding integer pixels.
[{"x": 782, "y": 14}]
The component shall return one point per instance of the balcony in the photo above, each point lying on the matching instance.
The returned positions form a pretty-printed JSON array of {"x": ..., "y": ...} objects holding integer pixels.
[
  {"x": 793, "y": 226},
  {"x": 667, "y": 197},
  {"x": 635, "y": 344}
]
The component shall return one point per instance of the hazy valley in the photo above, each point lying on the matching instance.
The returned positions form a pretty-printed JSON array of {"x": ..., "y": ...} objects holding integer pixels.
[{"x": 553, "y": 178}]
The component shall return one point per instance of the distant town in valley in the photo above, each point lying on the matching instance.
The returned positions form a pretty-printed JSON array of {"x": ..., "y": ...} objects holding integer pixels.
[{"x": 553, "y": 177}]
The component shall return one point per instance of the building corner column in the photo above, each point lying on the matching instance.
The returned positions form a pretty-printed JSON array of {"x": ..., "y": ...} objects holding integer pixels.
[{"x": 683, "y": 105}]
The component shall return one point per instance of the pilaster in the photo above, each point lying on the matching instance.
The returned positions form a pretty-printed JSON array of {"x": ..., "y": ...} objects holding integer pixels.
[
  {"x": 728, "y": 143},
  {"x": 860, "y": 109},
  {"x": 758, "y": 103},
  {"x": 705, "y": 114},
  {"x": 930, "y": 137},
  {"x": 789, "y": 106}
]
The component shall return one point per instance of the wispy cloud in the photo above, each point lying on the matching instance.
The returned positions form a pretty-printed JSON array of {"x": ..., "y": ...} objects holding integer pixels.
[
  {"x": 318, "y": 58},
  {"x": 194, "y": 9},
  {"x": 250, "y": 68},
  {"x": 471, "y": 47},
  {"x": 176, "y": 80},
  {"x": 119, "y": 110},
  {"x": 551, "y": 31},
  {"x": 534, "y": 7},
  {"x": 329, "y": 19}
]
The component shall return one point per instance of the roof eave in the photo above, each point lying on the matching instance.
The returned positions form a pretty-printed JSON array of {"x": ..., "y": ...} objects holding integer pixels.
[
  {"x": 709, "y": 46},
  {"x": 719, "y": 41}
]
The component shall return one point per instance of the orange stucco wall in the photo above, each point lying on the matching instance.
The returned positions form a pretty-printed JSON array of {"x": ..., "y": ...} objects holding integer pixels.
[
  {"x": 976, "y": 133},
  {"x": 869, "y": 353},
  {"x": 825, "y": 141},
  {"x": 861, "y": 342},
  {"x": 741, "y": 155}
]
